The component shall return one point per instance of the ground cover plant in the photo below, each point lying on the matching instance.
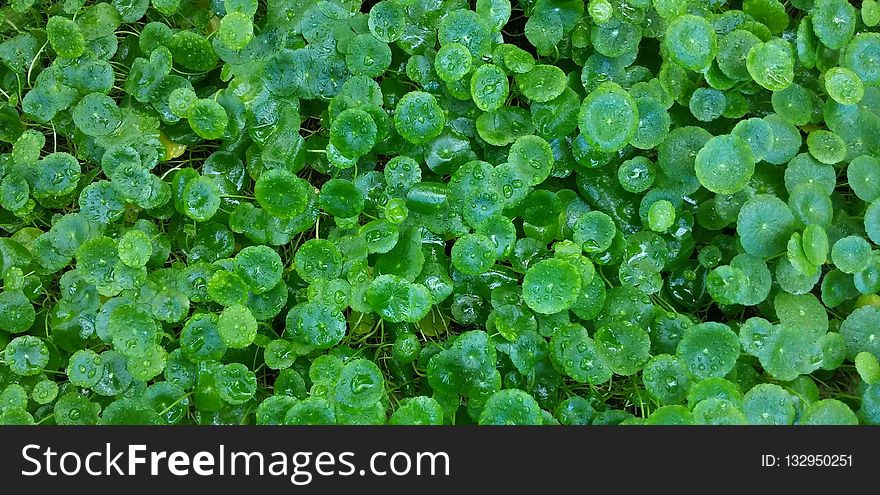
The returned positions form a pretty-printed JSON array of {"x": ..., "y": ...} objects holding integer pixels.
[{"x": 439, "y": 212}]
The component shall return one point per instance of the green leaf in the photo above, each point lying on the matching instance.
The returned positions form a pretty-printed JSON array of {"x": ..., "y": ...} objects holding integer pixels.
[
  {"x": 26, "y": 355},
  {"x": 608, "y": 117},
  {"x": 237, "y": 327},
  {"x": 709, "y": 349},
  {"x": 691, "y": 42},
  {"x": 551, "y": 286},
  {"x": 207, "y": 118},
  {"x": 397, "y": 300},
  {"x": 489, "y": 87},
  {"x": 771, "y": 64},
  {"x": 511, "y": 407},
  {"x": 65, "y": 37},
  {"x": 418, "y": 117},
  {"x": 764, "y": 225},
  {"x": 281, "y": 193},
  {"x": 316, "y": 325}
]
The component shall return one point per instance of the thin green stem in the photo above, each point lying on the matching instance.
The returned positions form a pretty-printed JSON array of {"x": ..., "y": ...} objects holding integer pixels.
[
  {"x": 178, "y": 401},
  {"x": 31, "y": 66}
]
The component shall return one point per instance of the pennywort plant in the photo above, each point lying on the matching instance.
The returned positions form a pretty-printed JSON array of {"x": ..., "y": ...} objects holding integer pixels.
[{"x": 414, "y": 212}]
